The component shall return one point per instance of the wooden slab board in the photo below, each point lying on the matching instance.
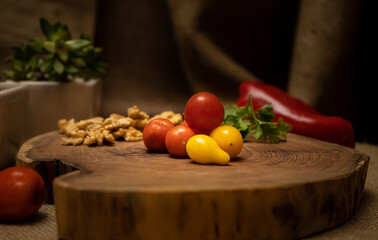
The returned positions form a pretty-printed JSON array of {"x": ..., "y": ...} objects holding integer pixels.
[{"x": 271, "y": 191}]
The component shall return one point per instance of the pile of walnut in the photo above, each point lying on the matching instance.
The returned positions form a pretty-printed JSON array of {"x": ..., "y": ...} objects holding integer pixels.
[{"x": 97, "y": 130}]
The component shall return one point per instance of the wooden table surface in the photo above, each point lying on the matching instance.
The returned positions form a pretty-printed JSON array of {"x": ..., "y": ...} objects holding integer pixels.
[{"x": 276, "y": 191}]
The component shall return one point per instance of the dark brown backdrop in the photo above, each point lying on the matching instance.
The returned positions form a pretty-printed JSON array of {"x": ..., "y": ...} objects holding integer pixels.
[{"x": 160, "y": 52}]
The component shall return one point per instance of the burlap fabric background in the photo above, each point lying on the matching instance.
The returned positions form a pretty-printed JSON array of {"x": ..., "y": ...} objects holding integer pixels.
[{"x": 160, "y": 52}]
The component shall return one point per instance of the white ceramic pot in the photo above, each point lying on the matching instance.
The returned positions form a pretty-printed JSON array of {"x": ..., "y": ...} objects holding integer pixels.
[
  {"x": 51, "y": 101},
  {"x": 13, "y": 117}
]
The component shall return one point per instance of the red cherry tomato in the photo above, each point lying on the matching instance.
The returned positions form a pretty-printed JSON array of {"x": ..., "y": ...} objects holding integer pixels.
[
  {"x": 176, "y": 139},
  {"x": 154, "y": 134},
  {"x": 204, "y": 112},
  {"x": 22, "y": 192}
]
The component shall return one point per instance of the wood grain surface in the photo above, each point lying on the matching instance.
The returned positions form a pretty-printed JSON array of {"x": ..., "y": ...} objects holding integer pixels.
[{"x": 271, "y": 191}]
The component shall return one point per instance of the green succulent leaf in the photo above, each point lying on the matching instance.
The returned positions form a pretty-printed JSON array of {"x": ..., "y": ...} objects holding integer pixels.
[
  {"x": 72, "y": 69},
  {"x": 78, "y": 62},
  {"x": 47, "y": 29},
  {"x": 84, "y": 36},
  {"x": 63, "y": 54},
  {"x": 36, "y": 45},
  {"x": 58, "y": 66},
  {"x": 74, "y": 45},
  {"x": 10, "y": 74},
  {"x": 50, "y": 46},
  {"x": 56, "y": 58},
  {"x": 97, "y": 50},
  {"x": 62, "y": 33},
  {"x": 30, "y": 75},
  {"x": 18, "y": 65},
  {"x": 46, "y": 66},
  {"x": 102, "y": 68}
]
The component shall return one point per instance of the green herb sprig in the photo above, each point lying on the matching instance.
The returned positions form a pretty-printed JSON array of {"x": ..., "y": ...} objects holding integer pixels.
[
  {"x": 58, "y": 58},
  {"x": 259, "y": 122}
]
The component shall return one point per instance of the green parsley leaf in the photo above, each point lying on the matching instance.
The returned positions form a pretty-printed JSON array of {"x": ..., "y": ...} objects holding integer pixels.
[{"x": 259, "y": 122}]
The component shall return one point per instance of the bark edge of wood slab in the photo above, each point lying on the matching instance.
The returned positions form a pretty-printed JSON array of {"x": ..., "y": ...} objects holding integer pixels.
[{"x": 272, "y": 191}]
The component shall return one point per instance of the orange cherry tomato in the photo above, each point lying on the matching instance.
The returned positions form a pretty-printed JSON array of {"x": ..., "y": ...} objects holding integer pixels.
[{"x": 229, "y": 139}]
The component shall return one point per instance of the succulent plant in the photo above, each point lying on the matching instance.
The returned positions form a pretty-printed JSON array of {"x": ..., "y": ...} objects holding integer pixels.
[{"x": 58, "y": 58}]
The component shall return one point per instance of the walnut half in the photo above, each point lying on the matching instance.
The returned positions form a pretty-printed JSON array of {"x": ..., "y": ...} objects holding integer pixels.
[
  {"x": 175, "y": 118},
  {"x": 97, "y": 130}
]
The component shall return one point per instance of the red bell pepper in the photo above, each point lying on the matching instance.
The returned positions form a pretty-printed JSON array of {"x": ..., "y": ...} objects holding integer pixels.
[{"x": 305, "y": 120}]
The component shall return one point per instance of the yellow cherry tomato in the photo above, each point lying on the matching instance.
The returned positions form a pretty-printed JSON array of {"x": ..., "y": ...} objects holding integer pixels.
[
  {"x": 229, "y": 139},
  {"x": 203, "y": 149}
]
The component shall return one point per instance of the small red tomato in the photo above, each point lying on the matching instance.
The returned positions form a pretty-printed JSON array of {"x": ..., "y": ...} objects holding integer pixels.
[
  {"x": 203, "y": 112},
  {"x": 176, "y": 139},
  {"x": 22, "y": 192},
  {"x": 154, "y": 134}
]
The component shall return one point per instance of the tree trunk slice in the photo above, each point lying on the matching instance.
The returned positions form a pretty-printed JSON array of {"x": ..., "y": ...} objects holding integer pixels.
[{"x": 272, "y": 191}]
